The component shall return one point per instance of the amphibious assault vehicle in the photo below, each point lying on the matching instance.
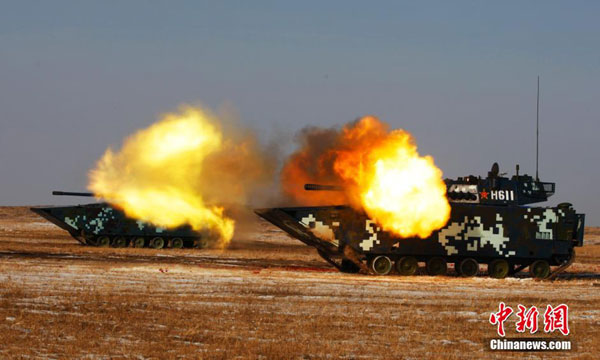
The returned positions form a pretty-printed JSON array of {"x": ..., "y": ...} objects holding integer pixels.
[
  {"x": 489, "y": 224},
  {"x": 101, "y": 224}
]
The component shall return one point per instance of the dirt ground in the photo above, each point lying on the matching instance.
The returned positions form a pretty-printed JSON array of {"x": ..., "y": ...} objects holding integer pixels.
[{"x": 267, "y": 296}]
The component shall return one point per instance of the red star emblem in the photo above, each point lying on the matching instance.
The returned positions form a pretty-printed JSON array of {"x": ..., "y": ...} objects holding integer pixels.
[{"x": 484, "y": 194}]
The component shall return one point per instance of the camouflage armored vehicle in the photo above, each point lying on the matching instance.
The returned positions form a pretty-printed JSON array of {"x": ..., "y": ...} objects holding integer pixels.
[
  {"x": 489, "y": 224},
  {"x": 101, "y": 224}
]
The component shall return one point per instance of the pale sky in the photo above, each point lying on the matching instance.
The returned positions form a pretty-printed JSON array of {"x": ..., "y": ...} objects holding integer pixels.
[{"x": 78, "y": 76}]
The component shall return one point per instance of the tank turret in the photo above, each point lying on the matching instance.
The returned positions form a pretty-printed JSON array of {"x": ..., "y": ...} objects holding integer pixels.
[{"x": 496, "y": 189}]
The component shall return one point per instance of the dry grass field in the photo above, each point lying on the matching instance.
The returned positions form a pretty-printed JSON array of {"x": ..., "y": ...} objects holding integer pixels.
[{"x": 267, "y": 296}]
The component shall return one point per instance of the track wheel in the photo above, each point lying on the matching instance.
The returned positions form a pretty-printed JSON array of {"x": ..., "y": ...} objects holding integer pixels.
[
  {"x": 381, "y": 265},
  {"x": 468, "y": 267},
  {"x": 103, "y": 241},
  {"x": 437, "y": 266},
  {"x": 201, "y": 243},
  {"x": 539, "y": 269},
  {"x": 498, "y": 269},
  {"x": 157, "y": 243},
  {"x": 119, "y": 242},
  {"x": 139, "y": 242},
  {"x": 407, "y": 265},
  {"x": 177, "y": 243}
]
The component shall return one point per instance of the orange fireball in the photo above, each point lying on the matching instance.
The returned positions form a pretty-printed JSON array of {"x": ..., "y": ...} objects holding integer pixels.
[
  {"x": 382, "y": 173},
  {"x": 183, "y": 169}
]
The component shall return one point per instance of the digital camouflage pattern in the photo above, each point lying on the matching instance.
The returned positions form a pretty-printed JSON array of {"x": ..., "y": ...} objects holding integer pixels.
[
  {"x": 92, "y": 222},
  {"x": 488, "y": 222}
]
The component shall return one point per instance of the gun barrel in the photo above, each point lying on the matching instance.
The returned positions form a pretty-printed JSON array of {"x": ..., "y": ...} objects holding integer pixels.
[
  {"x": 71, "y": 193},
  {"x": 319, "y": 187}
]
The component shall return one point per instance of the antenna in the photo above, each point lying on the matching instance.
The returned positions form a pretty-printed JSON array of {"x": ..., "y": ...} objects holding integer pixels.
[{"x": 537, "y": 131}]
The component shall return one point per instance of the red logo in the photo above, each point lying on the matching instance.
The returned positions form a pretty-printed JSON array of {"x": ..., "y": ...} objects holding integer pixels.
[
  {"x": 555, "y": 318},
  {"x": 527, "y": 319},
  {"x": 500, "y": 317}
]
